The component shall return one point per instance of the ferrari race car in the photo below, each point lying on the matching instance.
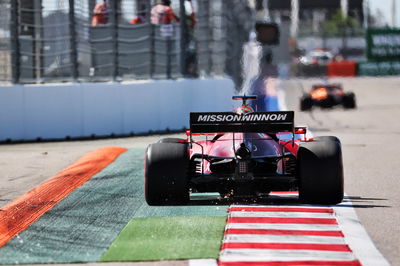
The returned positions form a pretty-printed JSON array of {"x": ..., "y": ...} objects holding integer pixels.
[
  {"x": 327, "y": 96},
  {"x": 244, "y": 154}
]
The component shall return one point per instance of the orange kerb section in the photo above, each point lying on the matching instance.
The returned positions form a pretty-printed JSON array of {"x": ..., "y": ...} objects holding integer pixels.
[{"x": 19, "y": 214}]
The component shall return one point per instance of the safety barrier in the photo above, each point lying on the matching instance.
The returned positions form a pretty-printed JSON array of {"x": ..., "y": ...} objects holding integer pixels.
[
  {"x": 378, "y": 68},
  {"x": 349, "y": 69},
  {"x": 311, "y": 70},
  {"x": 79, "y": 110},
  {"x": 342, "y": 69}
]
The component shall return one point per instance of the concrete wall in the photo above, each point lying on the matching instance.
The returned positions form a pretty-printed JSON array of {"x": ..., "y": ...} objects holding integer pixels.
[{"x": 29, "y": 112}]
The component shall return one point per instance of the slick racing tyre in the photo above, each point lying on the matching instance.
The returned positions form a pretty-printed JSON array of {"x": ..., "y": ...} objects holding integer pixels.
[
  {"x": 306, "y": 103},
  {"x": 327, "y": 138},
  {"x": 171, "y": 140},
  {"x": 320, "y": 171},
  {"x": 166, "y": 174},
  {"x": 349, "y": 101}
]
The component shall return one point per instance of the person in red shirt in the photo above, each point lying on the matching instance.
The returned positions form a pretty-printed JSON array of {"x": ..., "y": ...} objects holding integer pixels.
[
  {"x": 141, "y": 17},
  {"x": 163, "y": 13},
  {"x": 100, "y": 14},
  {"x": 138, "y": 20}
]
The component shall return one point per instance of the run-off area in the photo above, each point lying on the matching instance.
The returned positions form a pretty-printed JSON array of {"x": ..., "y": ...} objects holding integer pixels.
[
  {"x": 107, "y": 219},
  {"x": 370, "y": 172},
  {"x": 82, "y": 227}
]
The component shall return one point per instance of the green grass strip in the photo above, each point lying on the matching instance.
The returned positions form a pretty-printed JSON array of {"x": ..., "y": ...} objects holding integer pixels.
[{"x": 172, "y": 238}]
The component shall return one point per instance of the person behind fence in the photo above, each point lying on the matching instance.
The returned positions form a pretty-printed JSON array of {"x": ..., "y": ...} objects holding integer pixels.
[
  {"x": 100, "y": 14},
  {"x": 192, "y": 16},
  {"x": 163, "y": 13},
  {"x": 141, "y": 18}
]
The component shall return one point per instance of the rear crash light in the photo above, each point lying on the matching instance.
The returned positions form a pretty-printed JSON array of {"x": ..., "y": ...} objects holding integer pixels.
[{"x": 243, "y": 169}]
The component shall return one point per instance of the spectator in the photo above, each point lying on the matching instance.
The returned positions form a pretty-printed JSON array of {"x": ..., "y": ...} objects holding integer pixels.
[
  {"x": 192, "y": 16},
  {"x": 163, "y": 13},
  {"x": 100, "y": 14},
  {"x": 141, "y": 18}
]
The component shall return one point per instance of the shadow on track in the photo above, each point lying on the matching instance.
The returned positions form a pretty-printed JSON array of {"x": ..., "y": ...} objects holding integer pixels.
[
  {"x": 349, "y": 201},
  {"x": 215, "y": 199},
  {"x": 358, "y": 202}
]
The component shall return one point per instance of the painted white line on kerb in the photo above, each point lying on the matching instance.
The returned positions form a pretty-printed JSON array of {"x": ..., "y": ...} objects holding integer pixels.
[
  {"x": 357, "y": 237},
  {"x": 280, "y": 214},
  {"x": 313, "y": 227},
  {"x": 282, "y": 206},
  {"x": 298, "y": 239},
  {"x": 266, "y": 255}
]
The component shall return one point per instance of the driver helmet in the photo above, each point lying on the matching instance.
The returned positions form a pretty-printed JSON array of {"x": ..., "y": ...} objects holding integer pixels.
[{"x": 242, "y": 110}]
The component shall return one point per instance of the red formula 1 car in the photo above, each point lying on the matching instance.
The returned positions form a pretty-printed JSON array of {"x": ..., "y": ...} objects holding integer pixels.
[
  {"x": 244, "y": 154},
  {"x": 327, "y": 96}
]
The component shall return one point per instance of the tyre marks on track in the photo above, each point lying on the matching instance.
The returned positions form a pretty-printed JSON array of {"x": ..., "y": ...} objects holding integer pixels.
[{"x": 295, "y": 234}]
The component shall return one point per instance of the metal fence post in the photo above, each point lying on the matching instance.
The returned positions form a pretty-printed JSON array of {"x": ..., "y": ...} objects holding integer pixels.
[
  {"x": 152, "y": 50},
  {"x": 38, "y": 39},
  {"x": 15, "y": 49},
  {"x": 148, "y": 5},
  {"x": 114, "y": 21},
  {"x": 168, "y": 45},
  {"x": 183, "y": 44},
  {"x": 73, "y": 45}
]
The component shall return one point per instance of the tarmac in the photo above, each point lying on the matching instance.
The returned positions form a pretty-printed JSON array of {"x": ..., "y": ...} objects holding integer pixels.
[{"x": 369, "y": 136}]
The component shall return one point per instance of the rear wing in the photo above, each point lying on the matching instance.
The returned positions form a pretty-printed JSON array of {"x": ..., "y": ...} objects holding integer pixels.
[{"x": 252, "y": 122}]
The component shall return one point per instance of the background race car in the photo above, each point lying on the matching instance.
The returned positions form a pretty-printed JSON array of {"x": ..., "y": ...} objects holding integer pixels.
[
  {"x": 327, "y": 96},
  {"x": 244, "y": 154}
]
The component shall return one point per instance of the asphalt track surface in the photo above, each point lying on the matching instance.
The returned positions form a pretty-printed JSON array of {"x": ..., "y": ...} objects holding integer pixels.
[
  {"x": 370, "y": 144},
  {"x": 369, "y": 137}
]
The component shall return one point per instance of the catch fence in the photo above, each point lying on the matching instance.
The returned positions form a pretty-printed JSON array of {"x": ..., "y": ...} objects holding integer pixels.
[{"x": 56, "y": 41}]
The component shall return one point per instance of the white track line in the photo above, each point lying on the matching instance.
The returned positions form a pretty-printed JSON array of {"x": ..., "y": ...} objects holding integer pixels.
[{"x": 357, "y": 237}]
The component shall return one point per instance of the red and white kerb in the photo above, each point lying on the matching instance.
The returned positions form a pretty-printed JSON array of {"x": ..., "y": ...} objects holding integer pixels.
[{"x": 284, "y": 235}]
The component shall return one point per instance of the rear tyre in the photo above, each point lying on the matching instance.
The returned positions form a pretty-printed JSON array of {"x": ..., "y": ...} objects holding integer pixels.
[
  {"x": 349, "y": 101},
  {"x": 166, "y": 174},
  {"x": 306, "y": 103},
  {"x": 320, "y": 171},
  {"x": 327, "y": 138},
  {"x": 171, "y": 140}
]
